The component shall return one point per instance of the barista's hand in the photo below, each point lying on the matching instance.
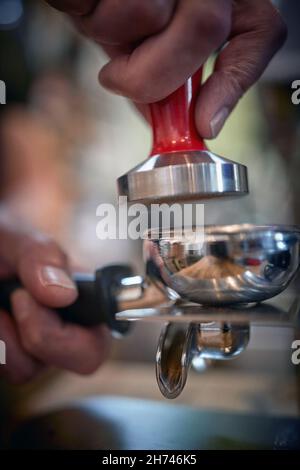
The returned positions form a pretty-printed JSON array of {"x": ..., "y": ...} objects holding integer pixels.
[
  {"x": 35, "y": 336},
  {"x": 155, "y": 45}
]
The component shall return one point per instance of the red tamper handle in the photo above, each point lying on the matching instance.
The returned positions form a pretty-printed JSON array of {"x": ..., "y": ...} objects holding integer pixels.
[{"x": 173, "y": 120}]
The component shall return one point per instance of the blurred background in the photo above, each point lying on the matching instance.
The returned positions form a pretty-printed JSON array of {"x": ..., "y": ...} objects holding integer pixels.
[{"x": 64, "y": 141}]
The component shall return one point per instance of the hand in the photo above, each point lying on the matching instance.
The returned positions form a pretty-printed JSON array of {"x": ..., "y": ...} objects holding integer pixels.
[
  {"x": 34, "y": 335},
  {"x": 155, "y": 45}
]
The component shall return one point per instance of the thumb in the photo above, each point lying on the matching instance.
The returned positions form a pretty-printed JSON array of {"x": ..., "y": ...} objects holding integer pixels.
[
  {"x": 44, "y": 271},
  {"x": 238, "y": 67},
  {"x": 38, "y": 262}
]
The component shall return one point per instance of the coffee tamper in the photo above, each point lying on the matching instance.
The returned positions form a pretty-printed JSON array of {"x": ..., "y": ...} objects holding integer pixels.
[{"x": 180, "y": 166}]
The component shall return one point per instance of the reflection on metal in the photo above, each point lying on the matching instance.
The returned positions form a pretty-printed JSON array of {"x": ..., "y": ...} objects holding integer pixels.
[
  {"x": 2, "y": 353},
  {"x": 235, "y": 264},
  {"x": 183, "y": 175},
  {"x": 175, "y": 351},
  {"x": 214, "y": 290},
  {"x": 2, "y": 92},
  {"x": 181, "y": 343},
  {"x": 282, "y": 311}
]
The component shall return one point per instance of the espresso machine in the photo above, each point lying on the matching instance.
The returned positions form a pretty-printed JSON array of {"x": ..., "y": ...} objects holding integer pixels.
[{"x": 206, "y": 292}]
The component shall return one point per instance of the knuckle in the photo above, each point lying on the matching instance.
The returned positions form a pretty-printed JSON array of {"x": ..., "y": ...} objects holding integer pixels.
[
  {"x": 277, "y": 34},
  {"x": 215, "y": 22},
  {"x": 280, "y": 29},
  {"x": 146, "y": 17},
  {"x": 219, "y": 25},
  {"x": 155, "y": 12}
]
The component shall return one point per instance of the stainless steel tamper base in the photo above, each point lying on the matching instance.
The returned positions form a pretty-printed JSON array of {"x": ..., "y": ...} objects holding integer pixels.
[{"x": 183, "y": 175}]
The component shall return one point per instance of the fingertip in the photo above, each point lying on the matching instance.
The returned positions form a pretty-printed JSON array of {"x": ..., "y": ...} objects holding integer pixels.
[
  {"x": 57, "y": 285},
  {"x": 51, "y": 286},
  {"x": 43, "y": 268},
  {"x": 213, "y": 107},
  {"x": 57, "y": 297},
  {"x": 218, "y": 120},
  {"x": 203, "y": 124}
]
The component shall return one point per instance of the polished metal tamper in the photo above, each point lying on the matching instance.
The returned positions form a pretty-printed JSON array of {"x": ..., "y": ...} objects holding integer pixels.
[{"x": 180, "y": 166}]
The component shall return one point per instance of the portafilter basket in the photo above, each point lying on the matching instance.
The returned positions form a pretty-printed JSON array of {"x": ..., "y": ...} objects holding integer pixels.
[{"x": 228, "y": 265}]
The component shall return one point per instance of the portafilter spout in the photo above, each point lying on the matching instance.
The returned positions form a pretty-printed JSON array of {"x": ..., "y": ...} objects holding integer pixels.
[
  {"x": 180, "y": 166},
  {"x": 181, "y": 343}
]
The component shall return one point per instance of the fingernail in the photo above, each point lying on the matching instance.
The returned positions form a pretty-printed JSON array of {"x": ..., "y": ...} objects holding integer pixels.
[
  {"x": 218, "y": 121},
  {"x": 53, "y": 276}
]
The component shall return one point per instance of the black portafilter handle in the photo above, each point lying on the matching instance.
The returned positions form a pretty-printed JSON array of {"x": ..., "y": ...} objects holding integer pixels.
[{"x": 96, "y": 302}]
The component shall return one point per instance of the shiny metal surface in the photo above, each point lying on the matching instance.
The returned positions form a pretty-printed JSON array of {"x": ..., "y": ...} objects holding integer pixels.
[
  {"x": 130, "y": 289},
  {"x": 183, "y": 175},
  {"x": 181, "y": 343},
  {"x": 175, "y": 351},
  {"x": 235, "y": 264},
  {"x": 283, "y": 311},
  {"x": 221, "y": 341}
]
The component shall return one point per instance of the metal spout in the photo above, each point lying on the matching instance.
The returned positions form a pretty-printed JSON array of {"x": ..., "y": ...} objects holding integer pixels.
[{"x": 181, "y": 343}]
